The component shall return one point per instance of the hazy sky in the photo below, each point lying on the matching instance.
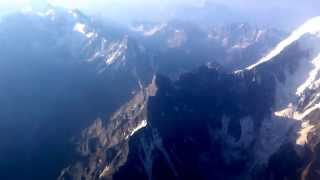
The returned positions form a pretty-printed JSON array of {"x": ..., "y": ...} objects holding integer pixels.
[{"x": 282, "y": 12}]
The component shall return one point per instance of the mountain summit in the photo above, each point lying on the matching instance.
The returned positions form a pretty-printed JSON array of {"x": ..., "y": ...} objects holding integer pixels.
[
  {"x": 312, "y": 26},
  {"x": 258, "y": 123},
  {"x": 83, "y": 98}
]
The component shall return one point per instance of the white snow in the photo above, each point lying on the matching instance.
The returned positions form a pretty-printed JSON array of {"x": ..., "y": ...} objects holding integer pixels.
[
  {"x": 310, "y": 110},
  {"x": 90, "y": 34},
  {"x": 82, "y": 28},
  {"x": 303, "y": 133},
  {"x": 139, "y": 28},
  {"x": 115, "y": 51},
  {"x": 259, "y": 34},
  {"x": 312, "y": 27},
  {"x": 312, "y": 76},
  {"x": 241, "y": 45},
  {"x": 149, "y": 31},
  {"x": 288, "y": 112},
  {"x": 291, "y": 112},
  {"x": 79, "y": 27},
  {"x": 141, "y": 125},
  {"x": 306, "y": 127},
  {"x": 106, "y": 172},
  {"x": 112, "y": 57},
  {"x": 48, "y": 13},
  {"x": 154, "y": 30}
]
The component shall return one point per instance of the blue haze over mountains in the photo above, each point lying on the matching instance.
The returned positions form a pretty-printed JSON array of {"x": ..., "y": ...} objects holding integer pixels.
[
  {"x": 159, "y": 90},
  {"x": 286, "y": 14}
]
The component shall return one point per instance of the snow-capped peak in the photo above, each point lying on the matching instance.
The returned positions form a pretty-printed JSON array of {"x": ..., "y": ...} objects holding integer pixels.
[
  {"x": 148, "y": 31},
  {"x": 82, "y": 28},
  {"x": 312, "y": 76},
  {"x": 141, "y": 125},
  {"x": 116, "y": 51},
  {"x": 312, "y": 26},
  {"x": 79, "y": 27}
]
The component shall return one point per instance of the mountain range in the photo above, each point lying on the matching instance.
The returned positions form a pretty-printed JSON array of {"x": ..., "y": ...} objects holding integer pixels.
[{"x": 86, "y": 98}]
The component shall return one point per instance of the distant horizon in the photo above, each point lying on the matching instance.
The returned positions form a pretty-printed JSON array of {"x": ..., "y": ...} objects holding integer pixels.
[
  {"x": 283, "y": 14},
  {"x": 159, "y": 89}
]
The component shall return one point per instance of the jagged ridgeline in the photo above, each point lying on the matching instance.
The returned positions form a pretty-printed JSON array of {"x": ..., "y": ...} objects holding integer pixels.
[
  {"x": 257, "y": 123},
  {"x": 83, "y": 98}
]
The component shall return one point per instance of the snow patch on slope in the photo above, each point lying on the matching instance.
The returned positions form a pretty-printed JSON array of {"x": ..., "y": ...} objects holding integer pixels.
[
  {"x": 141, "y": 125},
  {"x": 291, "y": 112},
  {"x": 303, "y": 133},
  {"x": 154, "y": 30},
  {"x": 149, "y": 31},
  {"x": 312, "y": 27},
  {"x": 48, "y": 13},
  {"x": 116, "y": 51},
  {"x": 79, "y": 27},
  {"x": 82, "y": 28},
  {"x": 312, "y": 76}
]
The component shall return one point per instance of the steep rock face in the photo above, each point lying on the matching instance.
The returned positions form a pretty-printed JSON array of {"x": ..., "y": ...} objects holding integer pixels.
[
  {"x": 64, "y": 75},
  {"x": 303, "y": 106},
  {"x": 53, "y": 86},
  {"x": 207, "y": 125},
  {"x": 297, "y": 98},
  {"x": 69, "y": 80},
  {"x": 103, "y": 146},
  {"x": 252, "y": 124}
]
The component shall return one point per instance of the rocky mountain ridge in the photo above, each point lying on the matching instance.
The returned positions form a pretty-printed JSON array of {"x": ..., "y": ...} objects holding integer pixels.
[
  {"x": 211, "y": 124},
  {"x": 93, "y": 96}
]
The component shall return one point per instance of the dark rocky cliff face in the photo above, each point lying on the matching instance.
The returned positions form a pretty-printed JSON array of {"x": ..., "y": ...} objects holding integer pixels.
[
  {"x": 211, "y": 124},
  {"x": 53, "y": 86},
  {"x": 187, "y": 120},
  {"x": 81, "y": 101}
]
